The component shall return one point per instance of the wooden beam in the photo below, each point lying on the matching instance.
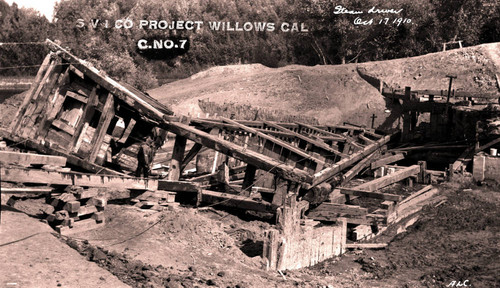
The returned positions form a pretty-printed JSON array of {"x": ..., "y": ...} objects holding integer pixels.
[
  {"x": 387, "y": 160},
  {"x": 249, "y": 179},
  {"x": 108, "y": 112},
  {"x": 127, "y": 131},
  {"x": 37, "y": 190},
  {"x": 190, "y": 155},
  {"x": 389, "y": 179},
  {"x": 88, "y": 113},
  {"x": 316, "y": 143},
  {"x": 489, "y": 144},
  {"x": 178, "y": 186},
  {"x": 365, "y": 245},
  {"x": 277, "y": 141},
  {"x": 236, "y": 201},
  {"x": 375, "y": 195},
  {"x": 358, "y": 167},
  {"x": 42, "y": 73},
  {"x": 332, "y": 208},
  {"x": 429, "y": 147},
  {"x": 336, "y": 168},
  {"x": 174, "y": 172},
  {"x": 258, "y": 160},
  {"x": 366, "y": 139},
  {"x": 26, "y": 159},
  {"x": 25, "y": 175}
]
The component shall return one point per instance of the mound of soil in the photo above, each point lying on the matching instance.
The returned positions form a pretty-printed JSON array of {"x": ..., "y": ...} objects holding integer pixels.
[{"x": 333, "y": 93}]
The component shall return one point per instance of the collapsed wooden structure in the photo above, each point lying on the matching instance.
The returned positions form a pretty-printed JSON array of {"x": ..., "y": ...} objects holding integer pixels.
[{"x": 300, "y": 173}]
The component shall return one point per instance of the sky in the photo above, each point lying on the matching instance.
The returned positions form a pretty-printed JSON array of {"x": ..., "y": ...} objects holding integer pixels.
[{"x": 46, "y": 7}]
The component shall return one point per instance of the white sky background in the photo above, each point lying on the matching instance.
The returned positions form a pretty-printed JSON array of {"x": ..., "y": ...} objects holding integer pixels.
[{"x": 46, "y": 7}]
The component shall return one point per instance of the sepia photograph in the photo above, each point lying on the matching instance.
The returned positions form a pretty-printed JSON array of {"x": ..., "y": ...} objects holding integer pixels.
[{"x": 240, "y": 143}]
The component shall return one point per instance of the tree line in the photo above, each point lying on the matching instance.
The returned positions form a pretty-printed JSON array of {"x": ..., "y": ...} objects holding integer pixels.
[{"x": 332, "y": 38}]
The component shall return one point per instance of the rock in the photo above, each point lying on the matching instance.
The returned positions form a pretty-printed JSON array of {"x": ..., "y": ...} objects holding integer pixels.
[
  {"x": 221, "y": 274},
  {"x": 211, "y": 282}
]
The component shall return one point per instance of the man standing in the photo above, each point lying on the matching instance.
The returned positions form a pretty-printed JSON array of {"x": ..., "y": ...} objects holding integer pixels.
[{"x": 145, "y": 158}]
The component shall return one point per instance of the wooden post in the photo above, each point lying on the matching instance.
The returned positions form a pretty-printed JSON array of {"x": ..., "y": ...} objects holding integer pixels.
[
  {"x": 177, "y": 156},
  {"x": 280, "y": 192},
  {"x": 190, "y": 156},
  {"x": 451, "y": 171},
  {"x": 87, "y": 115},
  {"x": 422, "y": 176},
  {"x": 373, "y": 120},
  {"x": 108, "y": 112},
  {"x": 248, "y": 181},
  {"x": 43, "y": 72}
]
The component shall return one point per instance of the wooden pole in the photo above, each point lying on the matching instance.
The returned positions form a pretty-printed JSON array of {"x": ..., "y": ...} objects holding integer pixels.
[
  {"x": 107, "y": 115},
  {"x": 177, "y": 156},
  {"x": 248, "y": 181}
]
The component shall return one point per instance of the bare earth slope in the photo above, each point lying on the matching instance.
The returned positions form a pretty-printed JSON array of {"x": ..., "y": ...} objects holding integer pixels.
[{"x": 335, "y": 92}]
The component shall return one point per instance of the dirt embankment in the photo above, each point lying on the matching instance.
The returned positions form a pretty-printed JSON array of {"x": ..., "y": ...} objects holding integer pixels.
[
  {"x": 333, "y": 94},
  {"x": 188, "y": 247}
]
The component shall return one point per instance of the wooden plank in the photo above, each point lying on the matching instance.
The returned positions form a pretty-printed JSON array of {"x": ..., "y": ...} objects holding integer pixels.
[
  {"x": 387, "y": 160},
  {"x": 79, "y": 226},
  {"x": 37, "y": 190},
  {"x": 63, "y": 126},
  {"x": 358, "y": 167},
  {"x": 316, "y": 143},
  {"x": 108, "y": 112},
  {"x": 375, "y": 195},
  {"x": 77, "y": 96},
  {"x": 26, "y": 159},
  {"x": 174, "y": 172},
  {"x": 429, "y": 147},
  {"x": 336, "y": 168},
  {"x": 88, "y": 113},
  {"x": 178, "y": 186},
  {"x": 365, "y": 245},
  {"x": 86, "y": 210},
  {"x": 258, "y": 160},
  {"x": 489, "y": 144},
  {"x": 25, "y": 175},
  {"x": 190, "y": 155},
  {"x": 28, "y": 125},
  {"x": 236, "y": 201},
  {"x": 334, "y": 208},
  {"x": 31, "y": 92},
  {"x": 277, "y": 141},
  {"x": 127, "y": 131},
  {"x": 366, "y": 139},
  {"x": 389, "y": 179},
  {"x": 419, "y": 192}
]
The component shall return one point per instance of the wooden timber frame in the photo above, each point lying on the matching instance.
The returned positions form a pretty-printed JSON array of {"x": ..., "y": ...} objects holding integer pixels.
[
  {"x": 99, "y": 125},
  {"x": 74, "y": 110}
]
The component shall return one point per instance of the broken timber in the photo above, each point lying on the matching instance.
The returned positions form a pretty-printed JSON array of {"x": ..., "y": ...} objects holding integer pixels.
[
  {"x": 25, "y": 175},
  {"x": 26, "y": 159},
  {"x": 329, "y": 172},
  {"x": 397, "y": 176}
]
